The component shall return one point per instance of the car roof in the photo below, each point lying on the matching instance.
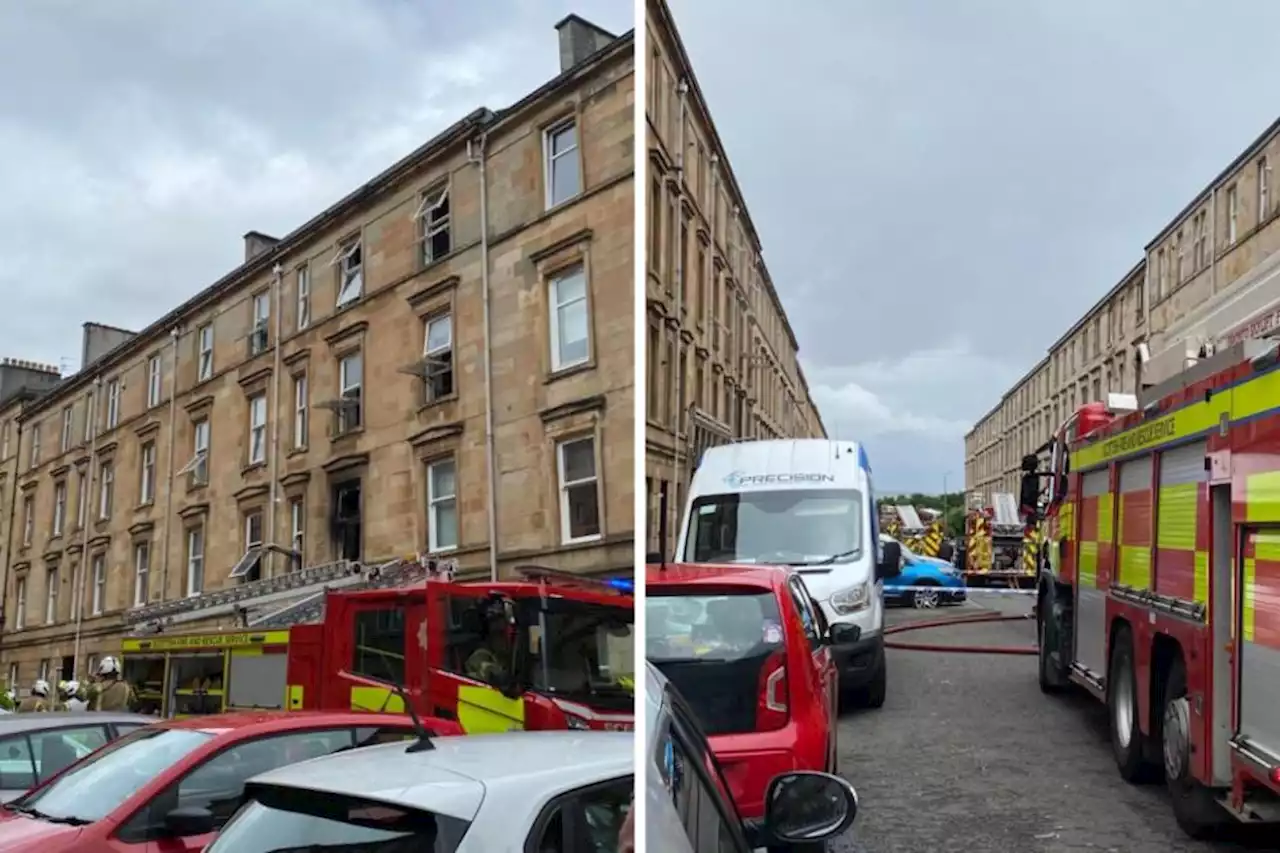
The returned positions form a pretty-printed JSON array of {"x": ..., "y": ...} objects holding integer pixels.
[
  {"x": 763, "y": 577},
  {"x": 13, "y": 723},
  {"x": 249, "y": 723},
  {"x": 464, "y": 770}
]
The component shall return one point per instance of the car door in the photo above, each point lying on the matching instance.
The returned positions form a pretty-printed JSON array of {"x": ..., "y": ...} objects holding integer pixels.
[
  {"x": 692, "y": 778},
  {"x": 824, "y": 666},
  {"x": 217, "y": 784}
]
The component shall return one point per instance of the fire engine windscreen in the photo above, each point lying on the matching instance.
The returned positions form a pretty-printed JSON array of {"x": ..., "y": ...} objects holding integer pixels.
[
  {"x": 714, "y": 648},
  {"x": 796, "y": 527},
  {"x": 580, "y": 651},
  {"x": 284, "y": 819}
]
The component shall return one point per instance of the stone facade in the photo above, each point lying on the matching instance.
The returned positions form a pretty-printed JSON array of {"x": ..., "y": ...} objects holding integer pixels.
[
  {"x": 721, "y": 358},
  {"x": 1210, "y": 277},
  {"x": 288, "y": 405}
]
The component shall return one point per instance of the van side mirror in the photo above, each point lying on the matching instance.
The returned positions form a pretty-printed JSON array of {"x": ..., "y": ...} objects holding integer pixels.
[{"x": 890, "y": 565}]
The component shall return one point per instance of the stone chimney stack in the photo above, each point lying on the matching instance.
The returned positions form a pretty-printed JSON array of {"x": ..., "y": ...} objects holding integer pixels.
[
  {"x": 255, "y": 243},
  {"x": 579, "y": 39}
]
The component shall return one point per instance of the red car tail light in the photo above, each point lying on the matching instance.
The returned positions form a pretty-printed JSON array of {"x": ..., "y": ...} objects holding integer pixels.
[{"x": 771, "y": 708}]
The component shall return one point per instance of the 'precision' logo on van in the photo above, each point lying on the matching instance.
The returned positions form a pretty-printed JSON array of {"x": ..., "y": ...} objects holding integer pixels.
[{"x": 737, "y": 479}]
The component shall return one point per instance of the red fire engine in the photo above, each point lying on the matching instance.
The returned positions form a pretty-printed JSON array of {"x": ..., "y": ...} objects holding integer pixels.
[
  {"x": 549, "y": 650},
  {"x": 1159, "y": 590}
]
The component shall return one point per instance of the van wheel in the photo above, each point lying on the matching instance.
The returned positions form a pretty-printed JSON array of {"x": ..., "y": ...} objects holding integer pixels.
[
  {"x": 1194, "y": 806},
  {"x": 873, "y": 694},
  {"x": 1122, "y": 712}
]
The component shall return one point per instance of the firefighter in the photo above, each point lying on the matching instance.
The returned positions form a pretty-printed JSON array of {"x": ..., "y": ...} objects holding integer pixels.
[
  {"x": 75, "y": 697},
  {"x": 113, "y": 693},
  {"x": 38, "y": 700}
]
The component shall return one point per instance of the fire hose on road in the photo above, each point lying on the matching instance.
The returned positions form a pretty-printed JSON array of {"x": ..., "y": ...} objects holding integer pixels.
[{"x": 962, "y": 649}]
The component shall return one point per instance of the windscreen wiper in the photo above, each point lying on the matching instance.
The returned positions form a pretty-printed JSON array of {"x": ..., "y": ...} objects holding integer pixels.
[
  {"x": 36, "y": 813},
  {"x": 826, "y": 561}
]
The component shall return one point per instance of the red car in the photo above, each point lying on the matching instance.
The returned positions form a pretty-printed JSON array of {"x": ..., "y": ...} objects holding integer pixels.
[
  {"x": 169, "y": 787},
  {"x": 748, "y": 648}
]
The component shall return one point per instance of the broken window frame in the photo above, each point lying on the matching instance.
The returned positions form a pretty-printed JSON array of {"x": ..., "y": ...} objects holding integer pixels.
[
  {"x": 350, "y": 277},
  {"x": 297, "y": 528},
  {"x": 68, "y": 427},
  {"x": 59, "y": 507},
  {"x": 147, "y": 473},
  {"x": 301, "y": 412},
  {"x": 551, "y": 159},
  {"x": 51, "y": 595},
  {"x": 113, "y": 403},
  {"x": 350, "y": 394},
  {"x": 35, "y": 446},
  {"x": 253, "y": 547},
  {"x": 431, "y": 225},
  {"x": 98, "y": 566},
  {"x": 434, "y": 363},
  {"x": 198, "y": 467}
]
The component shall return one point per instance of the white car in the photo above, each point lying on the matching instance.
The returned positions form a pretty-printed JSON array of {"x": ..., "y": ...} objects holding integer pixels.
[
  {"x": 535, "y": 791},
  {"x": 688, "y": 808}
]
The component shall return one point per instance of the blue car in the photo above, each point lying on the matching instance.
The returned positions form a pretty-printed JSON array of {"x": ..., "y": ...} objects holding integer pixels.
[{"x": 943, "y": 583}]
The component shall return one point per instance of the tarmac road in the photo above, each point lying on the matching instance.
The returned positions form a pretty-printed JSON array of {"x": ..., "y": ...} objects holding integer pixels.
[{"x": 968, "y": 755}]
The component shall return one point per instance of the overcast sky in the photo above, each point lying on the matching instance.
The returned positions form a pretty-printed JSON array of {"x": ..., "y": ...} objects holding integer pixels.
[
  {"x": 140, "y": 139},
  {"x": 943, "y": 188}
]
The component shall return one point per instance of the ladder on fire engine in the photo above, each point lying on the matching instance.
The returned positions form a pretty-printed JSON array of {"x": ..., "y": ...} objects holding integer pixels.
[
  {"x": 1006, "y": 518},
  {"x": 286, "y": 587}
]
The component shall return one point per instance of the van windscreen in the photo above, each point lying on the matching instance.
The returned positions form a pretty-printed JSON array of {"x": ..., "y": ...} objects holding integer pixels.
[
  {"x": 796, "y": 527},
  {"x": 713, "y": 648}
]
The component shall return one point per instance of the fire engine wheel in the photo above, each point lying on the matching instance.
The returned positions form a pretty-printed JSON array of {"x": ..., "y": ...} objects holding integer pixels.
[
  {"x": 1122, "y": 711},
  {"x": 1194, "y": 805},
  {"x": 927, "y": 597},
  {"x": 1053, "y": 679}
]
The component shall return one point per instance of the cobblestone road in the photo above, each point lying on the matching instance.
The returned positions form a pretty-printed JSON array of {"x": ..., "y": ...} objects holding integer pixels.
[{"x": 968, "y": 755}]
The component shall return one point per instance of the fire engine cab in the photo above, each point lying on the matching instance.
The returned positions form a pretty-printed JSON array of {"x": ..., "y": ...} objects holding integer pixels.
[
  {"x": 1159, "y": 589},
  {"x": 547, "y": 650}
]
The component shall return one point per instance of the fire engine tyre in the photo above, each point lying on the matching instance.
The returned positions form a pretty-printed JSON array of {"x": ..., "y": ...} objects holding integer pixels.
[
  {"x": 1122, "y": 712},
  {"x": 1053, "y": 677},
  {"x": 1194, "y": 805}
]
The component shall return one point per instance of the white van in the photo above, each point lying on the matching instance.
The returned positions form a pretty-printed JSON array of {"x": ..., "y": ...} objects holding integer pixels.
[{"x": 807, "y": 503}]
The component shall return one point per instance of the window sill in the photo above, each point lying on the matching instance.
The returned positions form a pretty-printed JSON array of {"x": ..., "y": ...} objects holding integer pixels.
[
  {"x": 343, "y": 436},
  {"x": 297, "y": 451},
  {"x": 442, "y": 552},
  {"x": 145, "y": 505},
  {"x": 583, "y": 540},
  {"x": 251, "y": 467},
  {"x": 571, "y": 370},
  {"x": 192, "y": 487},
  {"x": 450, "y": 398}
]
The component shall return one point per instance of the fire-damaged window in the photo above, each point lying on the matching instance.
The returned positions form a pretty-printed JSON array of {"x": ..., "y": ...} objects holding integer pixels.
[
  {"x": 344, "y": 521},
  {"x": 379, "y": 648}
]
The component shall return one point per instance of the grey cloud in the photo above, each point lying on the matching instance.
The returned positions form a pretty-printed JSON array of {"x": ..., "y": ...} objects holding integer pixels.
[
  {"x": 926, "y": 173},
  {"x": 147, "y": 136}
]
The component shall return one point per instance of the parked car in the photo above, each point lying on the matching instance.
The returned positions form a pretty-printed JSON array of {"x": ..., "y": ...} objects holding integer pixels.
[
  {"x": 36, "y": 747},
  {"x": 536, "y": 791},
  {"x": 171, "y": 785},
  {"x": 749, "y": 650},
  {"x": 688, "y": 808},
  {"x": 925, "y": 582}
]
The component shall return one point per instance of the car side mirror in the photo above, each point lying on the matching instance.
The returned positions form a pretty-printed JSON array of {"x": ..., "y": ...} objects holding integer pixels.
[
  {"x": 808, "y": 808},
  {"x": 843, "y": 634},
  {"x": 190, "y": 820},
  {"x": 890, "y": 565}
]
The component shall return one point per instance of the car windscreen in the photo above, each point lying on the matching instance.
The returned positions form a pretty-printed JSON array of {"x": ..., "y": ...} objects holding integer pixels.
[
  {"x": 98, "y": 785},
  {"x": 793, "y": 526},
  {"x": 713, "y": 647},
  {"x": 278, "y": 819},
  {"x": 582, "y": 651}
]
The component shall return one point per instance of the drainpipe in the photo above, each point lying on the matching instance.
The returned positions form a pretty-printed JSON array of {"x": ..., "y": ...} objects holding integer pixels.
[
  {"x": 85, "y": 562},
  {"x": 678, "y": 212},
  {"x": 274, "y": 497},
  {"x": 476, "y": 153},
  {"x": 174, "y": 334}
]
